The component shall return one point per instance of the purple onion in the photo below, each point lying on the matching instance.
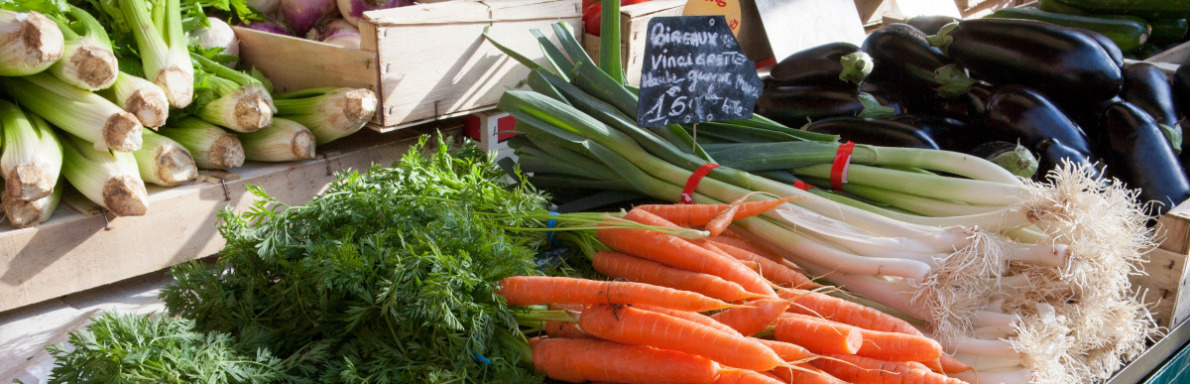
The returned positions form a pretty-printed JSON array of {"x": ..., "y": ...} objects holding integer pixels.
[
  {"x": 336, "y": 32},
  {"x": 268, "y": 26},
  {"x": 353, "y": 10},
  {"x": 301, "y": 15},
  {"x": 268, "y": 7}
]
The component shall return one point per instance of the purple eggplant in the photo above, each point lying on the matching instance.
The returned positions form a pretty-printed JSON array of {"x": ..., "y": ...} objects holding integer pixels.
[
  {"x": 1147, "y": 87},
  {"x": 798, "y": 105},
  {"x": 1109, "y": 46},
  {"x": 301, "y": 15},
  {"x": 1052, "y": 153},
  {"x": 353, "y": 10},
  {"x": 950, "y": 134},
  {"x": 1058, "y": 61},
  {"x": 874, "y": 132},
  {"x": 832, "y": 64},
  {"x": 905, "y": 61},
  {"x": 1181, "y": 89},
  {"x": 930, "y": 25},
  {"x": 1140, "y": 155},
  {"x": 1017, "y": 113}
]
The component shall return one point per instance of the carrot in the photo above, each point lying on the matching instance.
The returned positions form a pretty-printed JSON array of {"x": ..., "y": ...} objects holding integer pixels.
[
  {"x": 771, "y": 270},
  {"x": 621, "y": 266},
  {"x": 565, "y": 329},
  {"x": 889, "y": 346},
  {"x": 916, "y": 365},
  {"x": 818, "y": 336},
  {"x": 948, "y": 365},
  {"x": 689, "y": 215},
  {"x": 579, "y": 360},
  {"x": 846, "y": 312},
  {"x": 636, "y": 326},
  {"x": 742, "y": 243},
  {"x": 788, "y": 351},
  {"x": 678, "y": 253},
  {"x": 805, "y": 374},
  {"x": 859, "y": 369},
  {"x": 744, "y": 376},
  {"x": 531, "y": 290},
  {"x": 754, "y": 317},
  {"x": 717, "y": 224},
  {"x": 692, "y": 316}
]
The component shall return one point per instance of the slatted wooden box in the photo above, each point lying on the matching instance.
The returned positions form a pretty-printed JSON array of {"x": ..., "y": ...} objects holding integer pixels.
[
  {"x": 1168, "y": 271},
  {"x": 634, "y": 21},
  {"x": 426, "y": 61}
]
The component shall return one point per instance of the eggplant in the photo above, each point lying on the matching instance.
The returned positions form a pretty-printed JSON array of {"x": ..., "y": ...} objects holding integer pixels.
[
  {"x": 930, "y": 25},
  {"x": 798, "y": 105},
  {"x": 874, "y": 132},
  {"x": 1140, "y": 156},
  {"x": 1109, "y": 46},
  {"x": 950, "y": 134},
  {"x": 832, "y": 64},
  {"x": 1058, "y": 61},
  {"x": 1017, "y": 113},
  {"x": 905, "y": 61},
  {"x": 1052, "y": 153},
  {"x": 1010, "y": 156},
  {"x": 1147, "y": 87},
  {"x": 1181, "y": 90}
]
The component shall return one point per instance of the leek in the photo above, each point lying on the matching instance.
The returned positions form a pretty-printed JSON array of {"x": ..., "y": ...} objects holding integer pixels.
[
  {"x": 330, "y": 113},
  {"x": 157, "y": 27},
  {"x": 235, "y": 100},
  {"x": 82, "y": 113},
  {"x": 87, "y": 60},
  {"x": 26, "y": 213},
  {"x": 139, "y": 97},
  {"x": 29, "y": 43},
  {"x": 107, "y": 178},
  {"x": 211, "y": 146},
  {"x": 164, "y": 162},
  {"x": 285, "y": 140},
  {"x": 32, "y": 158}
]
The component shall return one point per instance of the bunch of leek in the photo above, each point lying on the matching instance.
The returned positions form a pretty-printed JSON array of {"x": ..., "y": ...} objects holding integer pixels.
[
  {"x": 285, "y": 140},
  {"x": 230, "y": 98},
  {"x": 211, "y": 146},
  {"x": 139, "y": 97},
  {"x": 330, "y": 113},
  {"x": 164, "y": 162},
  {"x": 29, "y": 43},
  {"x": 87, "y": 61},
  {"x": 108, "y": 178},
  {"x": 80, "y": 112},
  {"x": 31, "y": 165}
]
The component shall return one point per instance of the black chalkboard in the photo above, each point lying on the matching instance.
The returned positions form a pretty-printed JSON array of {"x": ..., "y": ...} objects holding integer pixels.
[{"x": 694, "y": 71}]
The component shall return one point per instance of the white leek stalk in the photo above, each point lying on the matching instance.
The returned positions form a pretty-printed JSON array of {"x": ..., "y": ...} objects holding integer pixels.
[
  {"x": 285, "y": 140},
  {"x": 87, "y": 61},
  {"x": 164, "y": 162},
  {"x": 330, "y": 113},
  {"x": 211, "y": 146},
  {"x": 32, "y": 157},
  {"x": 162, "y": 46},
  {"x": 82, "y": 113},
  {"x": 25, "y": 213},
  {"x": 141, "y": 98},
  {"x": 29, "y": 43},
  {"x": 107, "y": 178}
]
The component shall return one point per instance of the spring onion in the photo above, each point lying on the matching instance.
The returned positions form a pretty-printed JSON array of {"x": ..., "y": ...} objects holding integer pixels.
[
  {"x": 231, "y": 98},
  {"x": 330, "y": 113},
  {"x": 28, "y": 213},
  {"x": 107, "y": 178},
  {"x": 32, "y": 158},
  {"x": 285, "y": 140},
  {"x": 29, "y": 43},
  {"x": 164, "y": 162},
  {"x": 140, "y": 97},
  {"x": 87, "y": 60},
  {"x": 157, "y": 27},
  {"x": 211, "y": 146},
  {"x": 80, "y": 112}
]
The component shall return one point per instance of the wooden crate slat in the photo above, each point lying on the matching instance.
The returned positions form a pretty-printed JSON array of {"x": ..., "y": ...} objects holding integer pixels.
[{"x": 292, "y": 64}]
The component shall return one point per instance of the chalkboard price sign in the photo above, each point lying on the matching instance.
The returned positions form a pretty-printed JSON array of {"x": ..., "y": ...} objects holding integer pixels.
[{"x": 695, "y": 71}]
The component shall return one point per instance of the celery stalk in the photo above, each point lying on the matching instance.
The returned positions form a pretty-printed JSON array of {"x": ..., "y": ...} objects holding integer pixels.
[
  {"x": 29, "y": 43},
  {"x": 80, "y": 112},
  {"x": 285, "y": 140},
  {"x": 164, "y": 162},
  {"x": 32, "y": 158},
  {"x": 211, "y": 146},
  {"x": 108, "y": 178}
]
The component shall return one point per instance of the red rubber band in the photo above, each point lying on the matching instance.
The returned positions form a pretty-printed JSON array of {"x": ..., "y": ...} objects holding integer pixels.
[
  {"x": 692, "y": 182},
  {"x": 839, "y": 168},
  {"x": 802, "y": 185}
]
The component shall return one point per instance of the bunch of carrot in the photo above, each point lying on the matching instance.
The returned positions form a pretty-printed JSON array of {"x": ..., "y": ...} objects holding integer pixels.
[{"x": 719, "y": 309}]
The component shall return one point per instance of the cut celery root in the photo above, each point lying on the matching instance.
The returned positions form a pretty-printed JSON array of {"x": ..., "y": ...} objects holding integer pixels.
[{"x": 29, "y": 43}]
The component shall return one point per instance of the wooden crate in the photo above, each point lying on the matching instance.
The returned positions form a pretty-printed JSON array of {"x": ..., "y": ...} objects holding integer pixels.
[
  {"x": 1165, "y": 286},
  {"x": 634, "y": 22},
  {"x": 426, "y": 61},
  {"x": 872, "y": 12},
  {"x": 1170, "y": 59}
]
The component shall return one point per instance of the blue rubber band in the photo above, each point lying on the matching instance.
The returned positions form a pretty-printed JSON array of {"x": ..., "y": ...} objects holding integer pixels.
[
  {"x": 552, "y": 223},
  {"x": 482, "y": 359}
]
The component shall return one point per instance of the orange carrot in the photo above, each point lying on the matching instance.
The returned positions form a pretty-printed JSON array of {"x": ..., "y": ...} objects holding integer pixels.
[
  {"x": 689, "y": 215},
  {"x": 754, "y": 317},
  {"x": 637, "y": 326},
  {"x": 621, "y": 266},
  {"x": 889, "y": 346},
  {"x": 716, "y": 225},
  {"x": 843, "y": 311},
  {"x": 530, "y": 290},
  {"x": 805, "y": 374},
  {"x": 859, "y": 369},
  {"x": 788, "y": 351},
  {"x": 744, "y": 376},
  {"x": 678, "y": 253},
  {"x": 562, "y": 329},
  {"x": 818, "y": 336},
  {"x": 917, "y": 365},
  {"x": 947, "y": 365},
  {"x": 771, "y": 270},
  {"x": 579, "y": 360},
  {"x": 742, "y": 243},
  {"x": 692, "y": 316}
]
